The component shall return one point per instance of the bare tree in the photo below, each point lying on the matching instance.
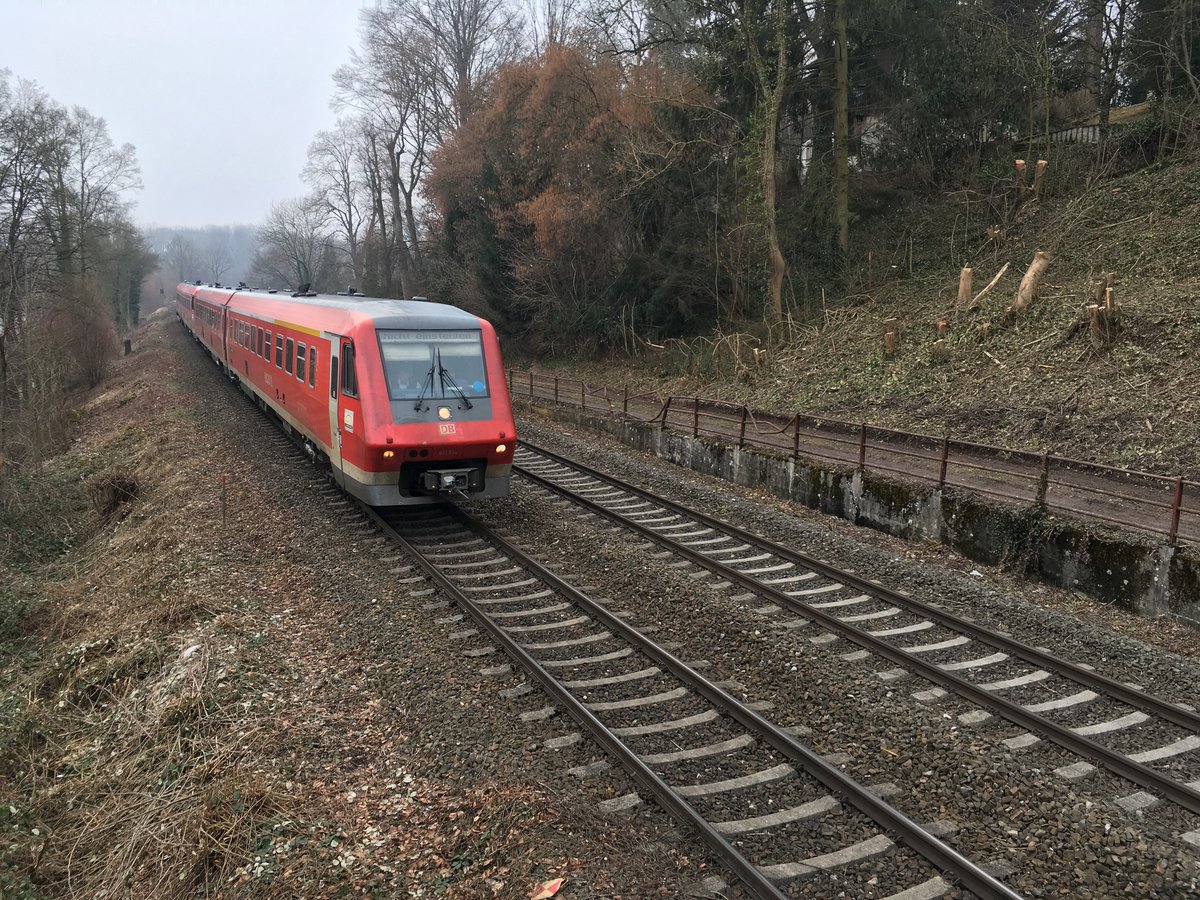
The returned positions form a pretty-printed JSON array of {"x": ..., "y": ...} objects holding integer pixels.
[
  {"x": 89, "y": 174},
  {"x": 30, "y": 126},
  {"x": 216, "y": 253},
  {"x": 396, "y": 97},
  {"x": 551, "y": 22},
  {"x": 66, "y": 252},
  {"x": 181, "y": 257},
  {"x": 334, "y": 172},
  {"x": 467, "y": 41},
  {"x": 296, "y": 246}
]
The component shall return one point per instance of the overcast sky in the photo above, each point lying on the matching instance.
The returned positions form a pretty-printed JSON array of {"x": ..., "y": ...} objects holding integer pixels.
[{"x": 220, "y": 97}]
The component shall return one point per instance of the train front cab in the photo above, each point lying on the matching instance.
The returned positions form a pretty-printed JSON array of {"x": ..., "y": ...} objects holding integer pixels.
[{"x": 420, "y": 416}]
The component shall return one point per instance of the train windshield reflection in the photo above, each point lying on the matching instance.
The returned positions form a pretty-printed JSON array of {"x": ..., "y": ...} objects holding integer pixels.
[{"x": 411, "y": 363}]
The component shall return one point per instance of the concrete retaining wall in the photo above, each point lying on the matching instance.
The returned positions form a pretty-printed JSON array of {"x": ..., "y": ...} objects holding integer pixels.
[{"x": 1129, "y": 569}]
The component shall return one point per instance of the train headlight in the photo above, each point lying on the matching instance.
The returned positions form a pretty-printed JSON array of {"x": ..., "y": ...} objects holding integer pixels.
[
  {"x": 388, "y": 454},
  {"x": 500, "y": 448}
]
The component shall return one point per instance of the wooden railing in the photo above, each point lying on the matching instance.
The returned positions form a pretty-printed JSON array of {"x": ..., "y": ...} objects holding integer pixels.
[{"x": 1123, "y": 498}]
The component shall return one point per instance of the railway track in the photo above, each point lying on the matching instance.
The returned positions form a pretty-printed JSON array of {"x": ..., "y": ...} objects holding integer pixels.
[
  {"x": 1137, "y": 736},
  {"x": 757, "y": 797}
]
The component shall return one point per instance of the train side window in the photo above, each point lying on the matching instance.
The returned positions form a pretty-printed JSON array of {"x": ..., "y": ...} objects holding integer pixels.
[
  {"x": 312, "y": 366},
  {"x": 333, "y": 381},
  {"x": 300, "y": 370},
  {"x": 349, "y": 378},
  {"x": 257, "y": 341},
  {"x": 267, "y": 347},
  {"x": 287, "y": 357},
  {"x": 279, "y": 351}
]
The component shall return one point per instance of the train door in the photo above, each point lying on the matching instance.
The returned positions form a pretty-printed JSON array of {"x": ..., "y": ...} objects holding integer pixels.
[
  {"x": 335, "y": 412},
  {"x": 350, "y": 422}
]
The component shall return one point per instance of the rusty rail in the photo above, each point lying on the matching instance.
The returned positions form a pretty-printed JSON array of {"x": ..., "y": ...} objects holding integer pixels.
[{"x": 1125, "y": 498}]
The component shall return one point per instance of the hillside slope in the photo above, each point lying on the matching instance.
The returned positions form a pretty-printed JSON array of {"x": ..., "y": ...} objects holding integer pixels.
[{"x": 1036, "y": 383}]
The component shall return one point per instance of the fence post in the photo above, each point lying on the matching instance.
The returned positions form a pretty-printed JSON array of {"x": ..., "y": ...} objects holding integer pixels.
[
  {"x": 742, "y": 430},
  {"x": 944, "y": 461},
  {"x": 862, "y": 447},
  {"x": 1176, "y": 507},
  {"x": 531, "y": 384},
  {"x": 582, "y": 395},
  {"x": 666, "y": 411},
  {"x": 696, "y": 416},
  {"x": 625, "y": 400},
  {"x": 796, "y": 436},
  {"x": 510, "y": 376},
  {"x": 1043, "y": 479},
  {"x": 555, "y": 388}
]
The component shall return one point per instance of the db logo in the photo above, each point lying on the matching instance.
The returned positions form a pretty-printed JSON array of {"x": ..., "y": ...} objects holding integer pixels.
[{"x": 447, "y": 428}]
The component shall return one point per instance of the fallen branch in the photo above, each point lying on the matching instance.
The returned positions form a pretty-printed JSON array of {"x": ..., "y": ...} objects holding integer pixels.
[{"x": 1029, "y": 285}]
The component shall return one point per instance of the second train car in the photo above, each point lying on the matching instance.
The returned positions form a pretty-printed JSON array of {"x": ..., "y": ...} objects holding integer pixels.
[{"x": 405, "y": 399}]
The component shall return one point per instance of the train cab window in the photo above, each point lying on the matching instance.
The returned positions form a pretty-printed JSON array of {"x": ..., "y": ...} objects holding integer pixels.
[
  {"x": 312, "y": 366},
  {"x": 300, "y": 370},
  {"x": 287, "y": 357},
  {"x": 439, "y": 365},
  {"x": 279, "y": 351},
  {"x": 349, "y": 377}
]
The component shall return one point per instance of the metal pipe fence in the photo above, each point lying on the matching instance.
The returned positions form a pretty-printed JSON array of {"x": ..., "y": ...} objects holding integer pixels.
[{"x": 1142, "y": 501}]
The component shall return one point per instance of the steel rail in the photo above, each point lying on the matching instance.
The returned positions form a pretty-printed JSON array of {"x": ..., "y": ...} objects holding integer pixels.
[
  {"x": 887, "y": 817},
  {"x": 759, "y": 885},
  {"x": 1115, "y": 762}
]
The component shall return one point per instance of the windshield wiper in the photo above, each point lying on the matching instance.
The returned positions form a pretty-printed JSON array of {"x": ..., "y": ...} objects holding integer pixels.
[
  {"x": 446, "y": 376},
  {"x": 426, "y": 386}
]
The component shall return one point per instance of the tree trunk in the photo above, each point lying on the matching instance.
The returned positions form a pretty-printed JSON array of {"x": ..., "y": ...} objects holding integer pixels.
[
  {"x": 841, "y": 129},
  {"x": 403, "y": 258},
  {"x": 777, "y": 264}
]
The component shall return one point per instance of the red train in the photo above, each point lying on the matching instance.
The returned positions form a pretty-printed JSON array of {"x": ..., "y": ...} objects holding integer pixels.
[{"x": 405, "y": 399}]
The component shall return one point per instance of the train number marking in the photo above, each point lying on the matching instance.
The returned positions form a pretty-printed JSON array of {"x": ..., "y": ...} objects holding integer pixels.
[{"x": 447, "y": 428}]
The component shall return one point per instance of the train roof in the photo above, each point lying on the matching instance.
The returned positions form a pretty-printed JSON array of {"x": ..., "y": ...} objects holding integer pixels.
[{"x": 334, "y": 310}]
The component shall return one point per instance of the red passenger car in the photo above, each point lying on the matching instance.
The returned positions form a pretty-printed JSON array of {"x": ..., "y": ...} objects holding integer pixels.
[{"x": 405, "y": 399}]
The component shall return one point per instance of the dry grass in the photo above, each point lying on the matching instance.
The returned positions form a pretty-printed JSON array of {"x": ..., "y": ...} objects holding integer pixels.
[{"x": 132, "y": 766}]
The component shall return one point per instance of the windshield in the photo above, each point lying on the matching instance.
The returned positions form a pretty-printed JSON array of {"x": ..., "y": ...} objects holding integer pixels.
[{"x": 410, "y": 362}]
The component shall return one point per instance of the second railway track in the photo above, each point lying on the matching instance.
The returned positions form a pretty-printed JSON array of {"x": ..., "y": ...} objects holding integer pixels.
[{"x": 1136, "y": 735}]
